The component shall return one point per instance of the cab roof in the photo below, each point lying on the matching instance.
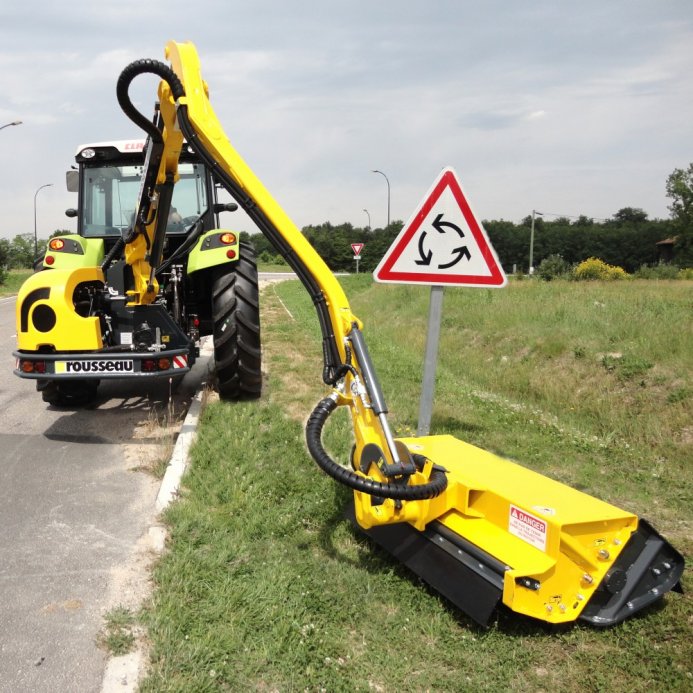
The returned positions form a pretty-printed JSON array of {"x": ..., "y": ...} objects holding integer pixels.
[{"x": 122, "y": 146}]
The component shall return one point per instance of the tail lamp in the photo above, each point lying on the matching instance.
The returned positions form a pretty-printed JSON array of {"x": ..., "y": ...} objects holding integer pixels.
[{"x": 32, "y": 366}]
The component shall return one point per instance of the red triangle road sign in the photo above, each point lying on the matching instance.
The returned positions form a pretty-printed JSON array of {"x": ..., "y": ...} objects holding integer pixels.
[
  {"x": 357, "y": 248},
  {"x": 443, "y": 243}
]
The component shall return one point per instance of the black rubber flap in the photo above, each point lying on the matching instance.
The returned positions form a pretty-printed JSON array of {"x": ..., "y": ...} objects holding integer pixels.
[
  {"x": 646, "y": 569},
  {"x": 459, "y": 571}
]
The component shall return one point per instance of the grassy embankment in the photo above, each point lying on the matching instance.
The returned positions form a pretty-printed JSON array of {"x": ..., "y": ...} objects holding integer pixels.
[
  {"x": 15, "y": 278},
  {"x": 266, "y": 587}
]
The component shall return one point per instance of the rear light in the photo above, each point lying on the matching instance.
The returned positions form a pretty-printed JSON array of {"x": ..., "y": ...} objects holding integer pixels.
[
  {"x": 49, "y": 260},
  {"x": 152, "y": 365},
  {"x": 56, "y": 244},
  {"x": 228, "y": 238},
  {"x": 231, "y": 254},
  {"x": 32, "y": 366},
  {"x": 196, "y": 322}
]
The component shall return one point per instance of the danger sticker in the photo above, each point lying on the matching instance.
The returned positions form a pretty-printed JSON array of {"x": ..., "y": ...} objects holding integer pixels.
[{"x": 527, "y": 527}]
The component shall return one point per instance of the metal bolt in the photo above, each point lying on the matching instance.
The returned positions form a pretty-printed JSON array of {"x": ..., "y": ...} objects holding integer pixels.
[
  {"x": 562, "y": 608},
  {"x": 587, "y": 578},
  {"x": 549, "y": 608},
  {"x": 580, "y": 597},
  {"x": 617, "y": 542},
  {"x": 604, "y": 554},
  {"x": 667, "y": 565}
]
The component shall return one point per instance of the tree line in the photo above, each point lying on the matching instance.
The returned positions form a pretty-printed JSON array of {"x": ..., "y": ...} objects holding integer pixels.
[{"x": 628, "y": 239}]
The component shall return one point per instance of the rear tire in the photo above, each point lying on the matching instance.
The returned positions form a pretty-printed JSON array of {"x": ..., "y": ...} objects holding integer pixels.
[
  {"x": 236, "y": 316},
  {"x": 70, "y": 393}
]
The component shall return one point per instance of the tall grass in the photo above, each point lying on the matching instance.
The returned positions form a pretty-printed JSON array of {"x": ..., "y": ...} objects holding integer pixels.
[
  {"x": 266, "y": 587},
  {"x": 13, "y": 280}
]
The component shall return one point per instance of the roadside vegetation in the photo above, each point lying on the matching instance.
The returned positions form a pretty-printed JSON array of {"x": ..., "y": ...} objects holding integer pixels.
[
  {"x": 12, "y": 280},
  {"x": 265, "y": 585}
]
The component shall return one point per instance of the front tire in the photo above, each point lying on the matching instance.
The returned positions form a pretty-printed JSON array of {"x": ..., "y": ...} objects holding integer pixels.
[{"x": 236, "y": 316}]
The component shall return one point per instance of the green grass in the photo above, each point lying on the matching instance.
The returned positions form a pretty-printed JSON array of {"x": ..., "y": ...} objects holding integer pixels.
[
  {"x": 266, "y": 587},
  {"x": 117, "y": 636},
  {"x": 14, "y": 279},
  {"x": 273, "y": 267}
]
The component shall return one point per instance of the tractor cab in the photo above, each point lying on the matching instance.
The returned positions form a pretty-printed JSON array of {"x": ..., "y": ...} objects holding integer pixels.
[{"x": 108, "y": 181}]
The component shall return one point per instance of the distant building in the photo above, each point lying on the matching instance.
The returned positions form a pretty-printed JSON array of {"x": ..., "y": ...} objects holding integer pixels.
[{"x": 666, "y": 249}]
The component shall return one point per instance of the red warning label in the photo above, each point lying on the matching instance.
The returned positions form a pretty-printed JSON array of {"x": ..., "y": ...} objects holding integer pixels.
[{"x": 527, "y": 527}]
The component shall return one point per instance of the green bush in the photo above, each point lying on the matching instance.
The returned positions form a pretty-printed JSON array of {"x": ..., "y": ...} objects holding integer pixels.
[
  {"x": 553, "y": 267},
  {"x": 268, "y": 258},
  {"x": 4, "y": 258},
  {"x": 595, "y": 269},
  {"x": 660, "y": 271}
]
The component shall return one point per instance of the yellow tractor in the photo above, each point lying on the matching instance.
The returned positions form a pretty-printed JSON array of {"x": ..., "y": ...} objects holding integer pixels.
[{"x": 479, "y": 529}]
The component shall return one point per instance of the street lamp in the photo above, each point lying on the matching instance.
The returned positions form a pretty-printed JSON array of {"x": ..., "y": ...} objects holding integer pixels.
[
  {"x": 369, "y": 219},
  {"x": 388, "y": 193},
  {"x": 15, "y": 122},
  {"x": 531, "y": 243},
  {"x": 47, "y": 185}
]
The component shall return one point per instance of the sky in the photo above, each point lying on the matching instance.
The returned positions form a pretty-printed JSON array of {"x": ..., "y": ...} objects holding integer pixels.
[{"x": 563, "y": 107}]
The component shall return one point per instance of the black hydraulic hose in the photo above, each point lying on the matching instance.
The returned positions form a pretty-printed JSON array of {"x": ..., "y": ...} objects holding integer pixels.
[
  {"x": 416, "y": 492},
  {"x": 113, "y": 253},
  {"x": 140, "y": 67},
  {"x": 184, "y": 247}
]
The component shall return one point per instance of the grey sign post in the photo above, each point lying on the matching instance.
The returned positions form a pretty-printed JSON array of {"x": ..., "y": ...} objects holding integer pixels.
[{"x": 435, "y": 313}]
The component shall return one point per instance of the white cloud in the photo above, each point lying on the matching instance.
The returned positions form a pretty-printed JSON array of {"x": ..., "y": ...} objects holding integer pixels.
[{"x": 584, "y": 107}]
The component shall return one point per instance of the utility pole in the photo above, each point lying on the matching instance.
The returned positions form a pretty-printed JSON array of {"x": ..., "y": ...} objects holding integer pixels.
[
  {"x": 531, "y": 243},
  {"x": 388, "y": 194},
  {"x": 47, "y": 185}
]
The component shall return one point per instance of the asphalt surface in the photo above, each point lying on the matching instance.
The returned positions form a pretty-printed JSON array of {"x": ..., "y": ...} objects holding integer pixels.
[{"x": 75, "y": 506}]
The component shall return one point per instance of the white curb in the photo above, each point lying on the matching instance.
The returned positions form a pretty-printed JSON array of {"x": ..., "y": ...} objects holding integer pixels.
[{"x": 122, "y": 673}]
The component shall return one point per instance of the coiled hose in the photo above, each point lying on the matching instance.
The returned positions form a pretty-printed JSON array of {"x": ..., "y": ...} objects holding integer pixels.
[
  {"x": 432, "y": 488},
  {"x": 141, "y": 67}
]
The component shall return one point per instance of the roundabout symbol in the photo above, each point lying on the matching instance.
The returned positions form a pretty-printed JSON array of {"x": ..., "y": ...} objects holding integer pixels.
[{"x": 460, "y": 252}]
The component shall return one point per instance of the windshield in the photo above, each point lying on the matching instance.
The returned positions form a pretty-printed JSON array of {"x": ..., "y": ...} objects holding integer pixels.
[{"x": 110, "y": 195}]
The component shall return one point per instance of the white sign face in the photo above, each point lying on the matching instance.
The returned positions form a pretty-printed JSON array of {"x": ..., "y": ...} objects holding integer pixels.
[{"x": 443, "y": 243}]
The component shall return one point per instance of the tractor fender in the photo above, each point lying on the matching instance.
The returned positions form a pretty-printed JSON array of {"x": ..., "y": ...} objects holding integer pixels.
[
  {"x": 216, "y": 247},
  {"x": 72, "y": 252}
]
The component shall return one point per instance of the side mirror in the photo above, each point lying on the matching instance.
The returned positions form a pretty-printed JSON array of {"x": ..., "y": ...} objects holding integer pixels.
[
  {"x": 72, "y": 180},
  {"x": 72, "y": 213},
  {"x": 225, "y": 207}
]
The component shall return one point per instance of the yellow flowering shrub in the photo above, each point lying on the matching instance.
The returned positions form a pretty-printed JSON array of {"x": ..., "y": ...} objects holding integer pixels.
[{"x": 594, "y": 268}]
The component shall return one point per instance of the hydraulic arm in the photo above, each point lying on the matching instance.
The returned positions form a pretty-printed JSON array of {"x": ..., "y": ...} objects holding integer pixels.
[{"x": 478, "y": 528}]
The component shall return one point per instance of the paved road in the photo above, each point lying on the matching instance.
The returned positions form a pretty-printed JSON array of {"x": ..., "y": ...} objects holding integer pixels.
[{"x": 72, "y": 508}]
